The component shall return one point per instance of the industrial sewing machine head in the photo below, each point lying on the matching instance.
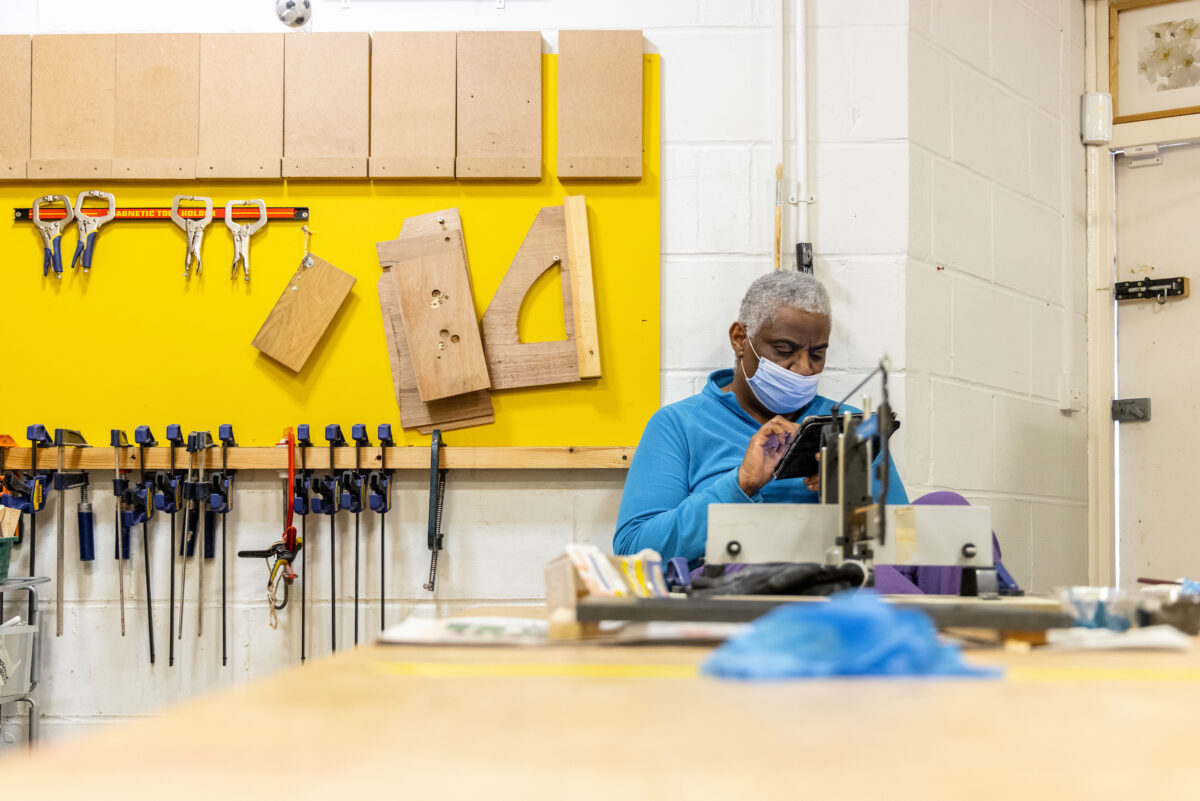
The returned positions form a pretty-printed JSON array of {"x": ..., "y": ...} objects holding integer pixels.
[{"x": 852, "y": 521}]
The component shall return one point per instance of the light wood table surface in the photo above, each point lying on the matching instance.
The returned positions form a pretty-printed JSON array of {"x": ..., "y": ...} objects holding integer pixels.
[{"x": 592, "y": 722}]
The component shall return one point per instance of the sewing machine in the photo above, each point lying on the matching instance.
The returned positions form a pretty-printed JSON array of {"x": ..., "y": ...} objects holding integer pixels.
[{"x": 848, "y": 525}]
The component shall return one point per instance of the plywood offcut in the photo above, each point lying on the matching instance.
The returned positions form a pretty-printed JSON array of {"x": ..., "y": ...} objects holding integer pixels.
[
  {"x": 499, "y": 104},
  {"x": 16, "y": 64},
  {"x": 412, "y": 105},
  {"x": 439, "y": 315},
  {"x": 241, "y": 105},
  {"x": 72, "y": 115},
  {"x": 600, "y": 104},
  {"x": 326, "y": 105},
  {"x": 157, "y": 106},
  {"x": 303, "y": 312},
  {"x": 511, "y": 362}
]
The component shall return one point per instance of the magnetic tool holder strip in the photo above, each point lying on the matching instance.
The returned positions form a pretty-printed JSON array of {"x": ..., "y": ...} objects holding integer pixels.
[
  {"x": 155, "y": 213},
  {"x": 398, "y": 458}
]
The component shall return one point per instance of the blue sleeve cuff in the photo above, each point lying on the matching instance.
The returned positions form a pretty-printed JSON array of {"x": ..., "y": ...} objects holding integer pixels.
[{"x": 727, "y": 490}]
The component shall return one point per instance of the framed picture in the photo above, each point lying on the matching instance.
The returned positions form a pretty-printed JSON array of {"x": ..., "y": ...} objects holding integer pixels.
[{"x": 1154, "y": 58}]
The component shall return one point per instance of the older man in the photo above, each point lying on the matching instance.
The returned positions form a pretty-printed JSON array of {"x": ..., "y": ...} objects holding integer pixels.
[{"x": 722, "y": 445}]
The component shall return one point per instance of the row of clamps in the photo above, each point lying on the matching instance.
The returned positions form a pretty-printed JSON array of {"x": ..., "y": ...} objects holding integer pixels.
[
  {"x": 88, "y": 226},
  {"x": 193, "y": 224}
]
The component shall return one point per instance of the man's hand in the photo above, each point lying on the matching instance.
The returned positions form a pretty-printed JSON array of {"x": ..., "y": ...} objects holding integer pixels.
[{"x": 766, "y": 448}]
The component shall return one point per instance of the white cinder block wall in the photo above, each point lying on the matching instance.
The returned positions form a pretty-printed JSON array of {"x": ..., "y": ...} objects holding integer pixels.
[
  {"x": 723, "y": 125},
  {"x": 995, "y": 321}
]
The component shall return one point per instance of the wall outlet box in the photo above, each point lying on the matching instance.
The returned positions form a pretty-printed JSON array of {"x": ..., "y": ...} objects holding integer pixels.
[{"x": 1096, "y": 118}]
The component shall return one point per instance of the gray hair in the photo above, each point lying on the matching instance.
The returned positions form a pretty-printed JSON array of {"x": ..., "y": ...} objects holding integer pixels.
[{"x": 775, "y": 290}]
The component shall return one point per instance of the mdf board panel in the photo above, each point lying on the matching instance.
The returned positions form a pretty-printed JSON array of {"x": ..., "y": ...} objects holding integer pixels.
[
  {"x": 158, "y": 97},
  {"x": 412, "y": 105},
  {"x": 499, "y": 104},
  {"x": 241, "y": 105},
  {"x": 16, "y": 63},
  {"x": 303, "y": 312},
  {"x": 600, "y": 104},
  {"x": 71, "y": 118},
  {"x": 439, "y": 316},
  {"x": 326, "y": 105}
]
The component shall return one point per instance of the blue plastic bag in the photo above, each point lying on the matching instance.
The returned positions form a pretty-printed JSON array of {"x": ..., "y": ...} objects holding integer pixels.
[{"x": 854, "y": 634}]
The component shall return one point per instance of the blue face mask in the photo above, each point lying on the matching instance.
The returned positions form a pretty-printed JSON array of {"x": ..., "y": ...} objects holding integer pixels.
[{"x": 778, "y": 388}]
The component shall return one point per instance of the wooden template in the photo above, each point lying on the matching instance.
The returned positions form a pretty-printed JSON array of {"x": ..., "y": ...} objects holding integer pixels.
[
  {"x": 303, "y": 313},
  {"x": 499, "y": 104},
  {"x": 157, "y": 106},
  {"x": 511, "y": 362},
  {"x": 460, "y": 411},
  {"x": 16, "y": 65},
  {"x": 72, "y": 113},
  {"x": 583, "y": 293},
  {"x": 412, "y": 105},
  {"x": 600, "y": 104},
  {"x": 438, "y": 313},
  {"x": 241, "y": 105},
  {"x": 326, "y": 105}
]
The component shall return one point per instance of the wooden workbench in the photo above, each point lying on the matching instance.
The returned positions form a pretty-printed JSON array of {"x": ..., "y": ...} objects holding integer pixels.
[{"x": 592, "y": 722}]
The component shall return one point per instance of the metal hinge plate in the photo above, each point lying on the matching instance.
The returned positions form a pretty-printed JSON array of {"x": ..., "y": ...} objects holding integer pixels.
[
  {"x": 1131, "y": 410},
  {"x": 1157, "y": 288}
]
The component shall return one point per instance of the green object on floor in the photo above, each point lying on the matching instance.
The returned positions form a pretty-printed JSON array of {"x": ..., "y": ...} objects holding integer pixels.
[{"x": 6, "y": 546}]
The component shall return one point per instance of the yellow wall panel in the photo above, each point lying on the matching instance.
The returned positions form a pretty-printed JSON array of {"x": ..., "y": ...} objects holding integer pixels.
[{"x": 136, "y": 343}]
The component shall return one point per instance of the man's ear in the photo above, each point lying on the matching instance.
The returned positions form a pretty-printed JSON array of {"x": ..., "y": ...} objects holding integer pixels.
[{"x": 737, "y": 338}]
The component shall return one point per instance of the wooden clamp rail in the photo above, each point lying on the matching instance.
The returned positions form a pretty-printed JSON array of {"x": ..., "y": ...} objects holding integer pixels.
[{"x": 399, "y": 458}]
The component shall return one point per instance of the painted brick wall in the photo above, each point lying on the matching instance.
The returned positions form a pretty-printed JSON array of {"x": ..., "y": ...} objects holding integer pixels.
[
  {"x": 995, "y": 271},
  {"x": 873, "y": 149}
]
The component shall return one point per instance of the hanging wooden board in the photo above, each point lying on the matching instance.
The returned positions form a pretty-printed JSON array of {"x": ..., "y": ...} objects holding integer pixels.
[
  {"x": 499, "y": 105},
  {"x": 303, "y": 313},
  {"x": 16, "y": 65},
  {"x": 241, "y": 90},
  {"x": 583, "y": 298},
  {"x": 447, "y": 414},
  {"x": 511, "y": 362},
  {"x": 157, "y": 106},
  {"x": 438, "y": 313},
  {"x": 72, "y": 115},
  {"x": 412, "y": 105},
  {"x": 600, "y": 104},
  {"x": 326, "y": 105}
]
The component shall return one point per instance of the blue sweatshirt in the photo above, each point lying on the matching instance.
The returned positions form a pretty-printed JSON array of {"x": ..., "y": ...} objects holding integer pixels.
[{"x": 688, "y": 458}]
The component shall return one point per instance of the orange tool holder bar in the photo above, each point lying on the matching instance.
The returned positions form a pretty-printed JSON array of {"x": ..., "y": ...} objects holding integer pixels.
[{"x": 145, "y": 213}]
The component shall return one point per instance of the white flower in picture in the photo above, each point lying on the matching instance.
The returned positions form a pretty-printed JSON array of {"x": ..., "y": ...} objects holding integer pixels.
[{"x": 1168, "y": 54}]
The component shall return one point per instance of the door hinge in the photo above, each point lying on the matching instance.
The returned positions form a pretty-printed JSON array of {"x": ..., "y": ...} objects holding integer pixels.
[
  {"x": 1158, "y": 288},
  {"x": 1131, "y": 410}
]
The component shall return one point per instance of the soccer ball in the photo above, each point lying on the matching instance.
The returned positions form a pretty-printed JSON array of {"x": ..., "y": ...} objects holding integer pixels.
[{"x": 293, "y": 13}]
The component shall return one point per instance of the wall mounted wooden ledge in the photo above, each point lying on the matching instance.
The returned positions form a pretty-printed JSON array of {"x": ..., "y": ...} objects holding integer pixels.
[{"x": 409, "y": 457}]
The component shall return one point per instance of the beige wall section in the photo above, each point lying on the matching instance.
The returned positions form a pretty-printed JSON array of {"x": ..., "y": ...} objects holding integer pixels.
[
  {"x": 16, "y": 62},
  {"x": 157, "y": 101},
  {"x": 995, "y": 327},
  {"x": 241, "y": 105}
]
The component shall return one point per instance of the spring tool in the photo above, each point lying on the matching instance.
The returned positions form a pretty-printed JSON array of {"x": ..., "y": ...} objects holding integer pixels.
[
  {"x": 242, "y": 233},
  {"x": 437, "y": 493},
  {"x": 193, "y": 227},
  {"x": 143, "y": 501},
  {"x": 64, "y": 438},
  {"x": 168, "y": 498},
  {"x": 218, "y": 502},
  {"x": 119, "y": 440},
  {"x": 88, "y": 226},
  {"x": 380, "y": 501},
  {"x": 51, "y": 231},
  {"x": 300, "y": 506}
]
